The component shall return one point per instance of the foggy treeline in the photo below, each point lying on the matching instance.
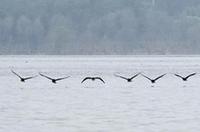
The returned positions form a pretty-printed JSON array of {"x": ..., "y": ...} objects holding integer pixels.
[{"x": 100, "y": 27}]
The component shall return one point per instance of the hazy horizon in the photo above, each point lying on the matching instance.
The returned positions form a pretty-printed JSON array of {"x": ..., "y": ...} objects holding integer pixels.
[{"x": 106, "y": 27}]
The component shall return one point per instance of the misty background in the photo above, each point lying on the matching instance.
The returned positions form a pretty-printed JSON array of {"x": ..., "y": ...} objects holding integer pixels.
[{"x": 99, "y": 27}]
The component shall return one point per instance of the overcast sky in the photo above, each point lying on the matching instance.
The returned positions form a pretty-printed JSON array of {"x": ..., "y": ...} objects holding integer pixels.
[{"x": 100, "y": 26}]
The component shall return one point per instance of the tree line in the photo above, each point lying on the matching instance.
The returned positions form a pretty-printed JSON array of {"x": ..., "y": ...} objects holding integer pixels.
[{"x": 99, "y": 27}]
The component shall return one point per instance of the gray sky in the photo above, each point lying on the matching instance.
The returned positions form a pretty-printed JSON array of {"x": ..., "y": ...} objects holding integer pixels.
[{"x": 99, "y": 26}]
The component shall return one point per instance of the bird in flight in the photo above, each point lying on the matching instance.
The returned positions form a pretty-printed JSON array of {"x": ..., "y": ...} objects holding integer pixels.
[
  {"x": 154, "y": 80},
  {"x": 185, "y": 78},
  {"x": 22, "y": 79},
  {"x": 128, "y": 79},
  {"x": 93, "y": 79},
  {"x": 52, "y": 79}
]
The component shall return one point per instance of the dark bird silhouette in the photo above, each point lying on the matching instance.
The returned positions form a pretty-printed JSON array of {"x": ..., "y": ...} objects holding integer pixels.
[
  {"x": 185, "y": 78},
  {"x": 154, "y": 80},
  {"x": 128, "y": 79},
  {"x": 22, "y": 79},
  {"x": 93, "y": 79},
  {"x": 52, "y": 79}
]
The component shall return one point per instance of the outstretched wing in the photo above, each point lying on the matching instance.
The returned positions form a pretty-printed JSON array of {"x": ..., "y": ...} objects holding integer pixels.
[
  {"x": 160, "y": 77},
  {"x": 100, "y": 79},
  {"x": 191, "y": 75},
  {"x": 46, "y": 76},
  {"x": 58, "y": 79},
  {"x": 121, "y": 77},
  {"x": 29, "y": 78},
  {"x": 147, "y": 77},
  {"x": 178, "y": 76},
  {"x": 135, "y": 76},
  {"x": 86, "y": 79},
  {"x": 16, "y": 74}
]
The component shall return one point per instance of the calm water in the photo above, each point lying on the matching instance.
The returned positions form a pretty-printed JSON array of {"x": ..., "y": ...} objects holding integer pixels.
[{"x": 40, "y": 106}]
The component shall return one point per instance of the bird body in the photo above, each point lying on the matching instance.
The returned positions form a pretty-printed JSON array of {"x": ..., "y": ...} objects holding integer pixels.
[
  {"x": 185, "y": 78},
  {"x": 128, "y": 79},
  {"x": 93, "y": 79},
  {"x": 154, "y": 80},
  {"x": 22, "y": 79},
  {"x": 52, "y": 79}
]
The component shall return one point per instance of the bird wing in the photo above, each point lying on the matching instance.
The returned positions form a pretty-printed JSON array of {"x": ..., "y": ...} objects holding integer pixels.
[
  {"x": 58, "y": 79},
  {"x": 147, "y": 77},
  {"x": 160, "y": 76},
  {"x": 178, "y": 76},
  {"x": 100, "y": 79},
  {"x": 121, "y": 77},
  {"x": 29, "y": 78},
  {"x": 46, "y": 76},
  {"x": 86, "y": 79},
  {"x": 135, "y": 76},
  {"x": 16, "y": 74},
  {"x": 191, "y": 75}
]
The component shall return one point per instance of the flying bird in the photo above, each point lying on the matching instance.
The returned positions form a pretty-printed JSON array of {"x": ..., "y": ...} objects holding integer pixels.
[
  {"x": 93, "y": 79},
  {"x": 52, "y": 79},
  {"x": 128, "y": 79},
  {"x": 185, "y": 78},
  {"x": 154, "y": 80},
  {"x": 22, "y": 79}
]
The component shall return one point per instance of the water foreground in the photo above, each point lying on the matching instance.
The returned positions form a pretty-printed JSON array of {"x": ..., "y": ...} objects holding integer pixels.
[{"x": 170, "y": 105}]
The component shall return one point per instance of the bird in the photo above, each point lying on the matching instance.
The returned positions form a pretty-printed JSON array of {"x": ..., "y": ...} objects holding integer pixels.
[
  {"x": 128, "y": 79},
  {"x": 93, "y": 79},
  {"x": 22, "y": 79},
  {"x": 185, "y": 78},
  {"x": 52, "y": 79},
  {"x": 154, "y": 80}
]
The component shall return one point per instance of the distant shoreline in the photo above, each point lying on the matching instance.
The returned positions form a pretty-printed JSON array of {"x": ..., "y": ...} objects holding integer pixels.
[{"x": 92, "y": 56}]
